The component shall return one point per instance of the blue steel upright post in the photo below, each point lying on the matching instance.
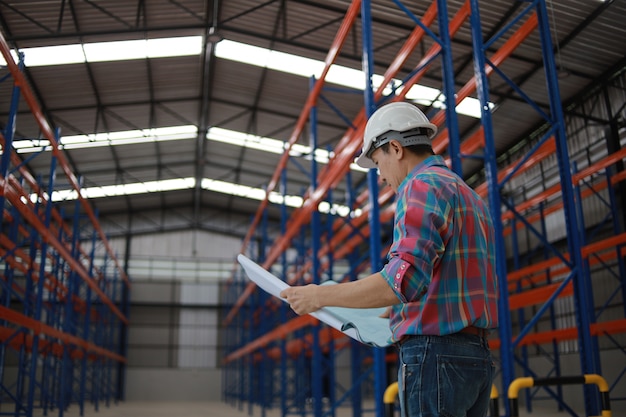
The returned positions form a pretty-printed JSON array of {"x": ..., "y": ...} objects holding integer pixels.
[
  {"x": 5, "y": 163},
  {"x": 9, "y": 132},
  {"x": 447, "y": 68},
  {"x": 584, "y": 312},
  {"x": 284, "y": 387},
  {"x": 38, "y": 311},
  {"x": 576, "y": 262},
  {"x": 380, "y": 371},
  {"x": 317, "y": 367},
  {"x": 87, "y": 324},
  {"x": 491, "y": 174}
]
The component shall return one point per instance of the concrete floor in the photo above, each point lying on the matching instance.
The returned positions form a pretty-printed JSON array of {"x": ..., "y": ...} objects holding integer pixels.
[
  {"x": 211, "y": 409},
  {"x": 174, "y": 409}
]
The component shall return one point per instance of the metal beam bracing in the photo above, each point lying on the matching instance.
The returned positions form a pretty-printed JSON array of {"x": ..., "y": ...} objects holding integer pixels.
[
  {"x": 61, "y": 319},
  {"x": 348, "y": 235}
]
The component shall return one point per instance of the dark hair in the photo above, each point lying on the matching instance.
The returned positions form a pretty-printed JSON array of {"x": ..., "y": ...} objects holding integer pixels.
[{"x": 419, "y": 150}]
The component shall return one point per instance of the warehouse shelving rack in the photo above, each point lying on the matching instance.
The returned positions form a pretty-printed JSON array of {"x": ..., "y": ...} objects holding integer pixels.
[
  {"x": 63, "y": 312},
  {"x": 525, "y": 289},
  {"x": 534, "y": 279}
]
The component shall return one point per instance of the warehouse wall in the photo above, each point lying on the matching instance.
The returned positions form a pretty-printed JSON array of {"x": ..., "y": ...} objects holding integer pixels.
[
  {"x": 174, "y": 349},
  {"x": 173, "y": 343}
]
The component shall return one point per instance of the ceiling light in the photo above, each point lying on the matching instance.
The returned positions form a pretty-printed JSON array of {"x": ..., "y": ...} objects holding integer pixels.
[{"x": 110, "y": 51}]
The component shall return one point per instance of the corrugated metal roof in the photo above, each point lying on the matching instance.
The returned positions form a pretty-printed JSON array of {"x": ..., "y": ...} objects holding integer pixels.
[{"x": 140, "y": 94}]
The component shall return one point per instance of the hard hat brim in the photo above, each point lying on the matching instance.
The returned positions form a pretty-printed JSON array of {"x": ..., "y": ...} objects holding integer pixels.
[{"x": 364, "y": 162}]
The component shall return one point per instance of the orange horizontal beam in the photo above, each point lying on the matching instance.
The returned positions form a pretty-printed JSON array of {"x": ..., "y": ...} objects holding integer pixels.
[
  {"x": 349, "y": 18},
  {"x": 593, "y": 259},
  {"x": 576, "y": 178},
  {"x": 604, "y": 244},
  {"x": 518, "y": 300},
  {"x": 297, "y": 346},
  {"x": 534, "y": 268},
  {"x": 10, "y": 188},
  {"x": 549, "y": 209},
  {"x": 40, "y": 328},
  {"x": 533, "y": 201},
  {"x": 547, "y": 149},
  {"x": 278, "y": 333},
  {"x": 620, "y": 176},
  {"x": 570, "y": 333},
  {"x": 50, "y": 283},
  {"x": 344, "y": 154},
  {"x": 558, "y": 205},
  {"x": 32, "y": 183},
  {"x": 46, "y": 346},
  {"x": 440, "y": 142},
  {"x": 20, "y": 80},
  {"x": 600, "y": 165},
  {"x": 587, "y": 250},
  {"x": 18, "y": 340},
  {"x": 330, "y": 177},
  {"x": 538, "y": 295},
  {"x": 351, "y": 15}
]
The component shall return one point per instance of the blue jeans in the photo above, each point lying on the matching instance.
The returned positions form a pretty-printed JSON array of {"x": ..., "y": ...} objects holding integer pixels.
[{"x": 447, "y": 376}]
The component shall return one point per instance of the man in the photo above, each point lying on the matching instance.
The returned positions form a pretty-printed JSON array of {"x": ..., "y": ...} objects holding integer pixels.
[{"x": 440, "y": 276}]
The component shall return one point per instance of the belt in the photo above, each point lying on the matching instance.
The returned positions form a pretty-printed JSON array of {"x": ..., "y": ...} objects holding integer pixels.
[{"x": 476, "y": 331}]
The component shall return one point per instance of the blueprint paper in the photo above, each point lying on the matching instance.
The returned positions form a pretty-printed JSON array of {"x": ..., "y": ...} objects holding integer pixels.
[{"x": 362, "y": 324}]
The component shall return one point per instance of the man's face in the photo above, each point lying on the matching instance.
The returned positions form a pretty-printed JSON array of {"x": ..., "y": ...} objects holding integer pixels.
[{"x": 388, "y": 164}]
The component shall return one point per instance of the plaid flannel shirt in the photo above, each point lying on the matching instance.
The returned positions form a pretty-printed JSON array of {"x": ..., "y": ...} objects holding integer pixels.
[{"x": 441, "y": 264}]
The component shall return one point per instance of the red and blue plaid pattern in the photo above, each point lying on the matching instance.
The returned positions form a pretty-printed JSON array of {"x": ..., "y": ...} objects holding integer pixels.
[{"x": 442, "y": 261}]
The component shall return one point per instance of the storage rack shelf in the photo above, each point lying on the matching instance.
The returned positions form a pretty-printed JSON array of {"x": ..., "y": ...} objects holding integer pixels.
[
  {"x": 264, "y": 336},
  {"x": 64, "y": 295}
]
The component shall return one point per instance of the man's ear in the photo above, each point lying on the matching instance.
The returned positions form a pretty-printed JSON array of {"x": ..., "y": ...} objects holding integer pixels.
[{"x": 397, "y": 148}]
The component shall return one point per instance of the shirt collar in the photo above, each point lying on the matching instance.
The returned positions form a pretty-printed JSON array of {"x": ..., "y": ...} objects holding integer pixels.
[{"x": 431, "y": 161}]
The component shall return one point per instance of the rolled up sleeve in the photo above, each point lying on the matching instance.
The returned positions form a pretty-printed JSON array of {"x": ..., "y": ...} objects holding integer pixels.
[{"x": 420, "y": 232}]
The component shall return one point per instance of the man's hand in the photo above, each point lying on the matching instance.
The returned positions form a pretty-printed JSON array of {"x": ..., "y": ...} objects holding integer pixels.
[
  {"x": 369, "y": 292},
  {"x": 303, "y": 299}
]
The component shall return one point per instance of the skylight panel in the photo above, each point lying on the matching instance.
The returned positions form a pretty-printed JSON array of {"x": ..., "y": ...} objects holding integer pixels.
[
  {"x": 246, "y": 140},
  {"x": 51, "y": 55},
  {"x": 110, "y": 51},
  {"x": 143, "y": 48},
  {"x": 125, "y": 189},
  {"x": 470, "y": 106},
  {"x": 294, "y": 64},
  {"x": 265, "y": 144},
  {"x": 422, "y": 95},
  {"x": 218, "y": 186},
  {"x": 124, "y": 137},
  {"x": 235, "y": 51},
  {"x": 337, "y": 74}
]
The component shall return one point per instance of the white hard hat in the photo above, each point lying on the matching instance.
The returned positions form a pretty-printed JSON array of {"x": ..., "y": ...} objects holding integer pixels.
[{"x": 399, "y": 120}]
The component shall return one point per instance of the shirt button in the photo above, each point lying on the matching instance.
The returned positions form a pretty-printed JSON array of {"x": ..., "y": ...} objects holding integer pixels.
[
  {"x": 403, "y": 266},
  {"x": 398, "y": 276}
]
